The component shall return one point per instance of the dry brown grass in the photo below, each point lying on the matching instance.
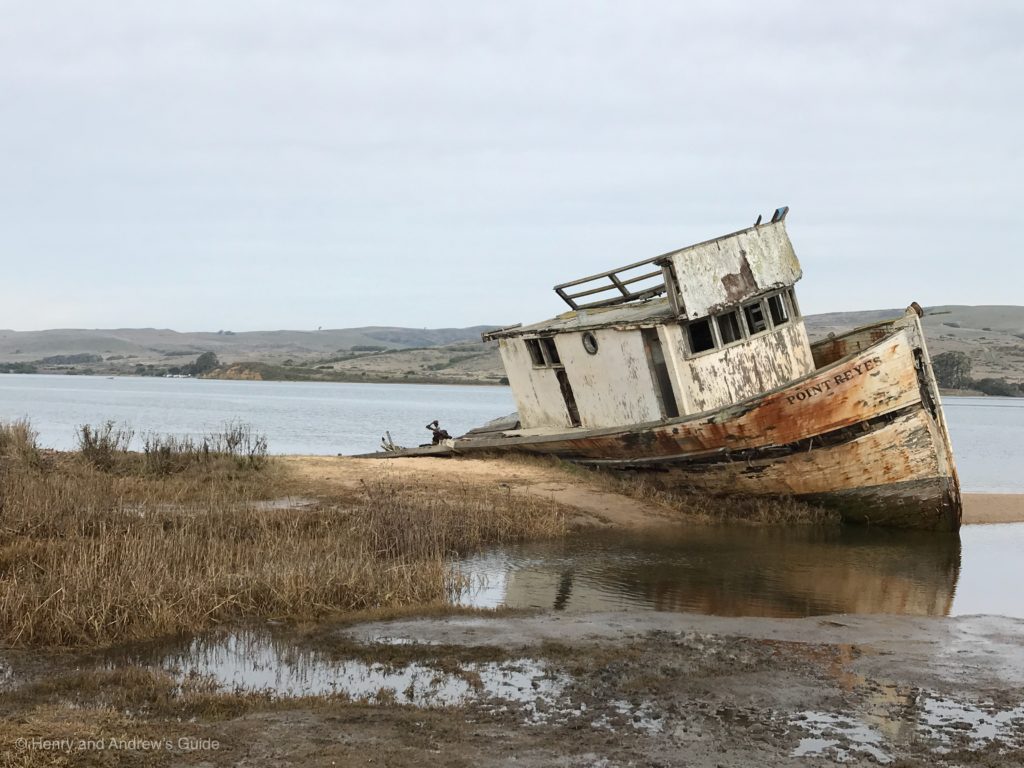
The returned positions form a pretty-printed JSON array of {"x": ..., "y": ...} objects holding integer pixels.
[
  {"x": 94, "y": 553},
  {"x": 107, "y": 706},
  {"x": 757, "y": 510},
  {"x": 89, "y": 712}
]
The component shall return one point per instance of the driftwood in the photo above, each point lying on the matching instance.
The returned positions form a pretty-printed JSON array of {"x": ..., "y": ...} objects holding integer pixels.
[{"x": 388, "y": 445}]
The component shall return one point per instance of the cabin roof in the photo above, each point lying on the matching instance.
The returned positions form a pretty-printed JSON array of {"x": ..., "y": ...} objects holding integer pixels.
[
  {"x": 636, "y": 313},
  {"x": 645, "y": 279},
  {"x": 690, "y": 282}
]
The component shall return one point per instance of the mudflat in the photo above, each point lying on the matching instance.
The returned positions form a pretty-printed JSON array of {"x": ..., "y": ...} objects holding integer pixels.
[
  {"x": 610, "y": 689},
  {"x": 980, "y": 508},
  {"x": 458, "y": 688}
]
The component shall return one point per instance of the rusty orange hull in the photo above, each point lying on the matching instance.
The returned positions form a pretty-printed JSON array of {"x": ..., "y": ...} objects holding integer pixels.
[{"x": 864, "y": 434}]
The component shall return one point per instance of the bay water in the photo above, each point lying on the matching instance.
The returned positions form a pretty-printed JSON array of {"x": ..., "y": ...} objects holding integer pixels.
[{"x": 718, "y": 569}]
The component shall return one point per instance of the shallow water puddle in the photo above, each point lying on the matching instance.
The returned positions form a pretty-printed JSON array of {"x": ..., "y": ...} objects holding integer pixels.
[
  {"x": 839, "y": 737},
  {"x": 956, "y": 722},
  {"x": 946, "y": 723},
  {"x": 284, "y": 503},
  {"x": 252, "y": 662},
  {"x": 741, "y": 570},
  {"x": 255, "y": 661}
]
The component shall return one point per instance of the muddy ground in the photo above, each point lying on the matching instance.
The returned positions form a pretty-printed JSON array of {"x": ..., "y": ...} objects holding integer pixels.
[
  {"x": 550, "y": 689},
  {"x": 609, "y": 689}
]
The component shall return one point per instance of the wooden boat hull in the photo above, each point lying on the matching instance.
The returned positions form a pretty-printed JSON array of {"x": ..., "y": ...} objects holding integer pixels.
[{"x": 864, "y": 434}]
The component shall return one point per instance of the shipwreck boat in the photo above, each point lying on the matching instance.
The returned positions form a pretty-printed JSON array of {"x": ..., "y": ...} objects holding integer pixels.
[{"x": 696, "y": 365}]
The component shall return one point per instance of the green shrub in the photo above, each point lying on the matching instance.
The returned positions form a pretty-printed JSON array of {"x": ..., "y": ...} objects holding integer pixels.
[{"x": 102, "y": 445}]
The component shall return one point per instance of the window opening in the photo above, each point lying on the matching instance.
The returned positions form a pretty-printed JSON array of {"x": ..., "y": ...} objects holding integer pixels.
[
  {"x": 777, "y": 309},
  {"x": 701, "y": 337},
  {"x": 533, "y": 345},
  {"x": 756, "y": 321},
  {"x": 729, "y": 327},
  {"x": 794, "y": 307},
  {"x": 550, "y": 351},
  {"x": 659, "y": 373}
]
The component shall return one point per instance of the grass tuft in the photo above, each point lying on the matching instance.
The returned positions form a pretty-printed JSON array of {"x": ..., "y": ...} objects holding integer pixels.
[
  {"x": 97, "y": 551},
  {"x": 102, "y": 445},
  {"x": 18, "y": 444}
]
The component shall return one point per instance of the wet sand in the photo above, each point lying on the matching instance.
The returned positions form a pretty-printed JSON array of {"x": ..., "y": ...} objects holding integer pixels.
[
  {"x": 983, "y": 508},
  {"x": 574, "y": 690},
  {"x": 593, "y": 503}
]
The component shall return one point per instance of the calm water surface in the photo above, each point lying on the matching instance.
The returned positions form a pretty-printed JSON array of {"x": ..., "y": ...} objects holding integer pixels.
[
  {"x": 297, "y": 417},
  {"x": 988, "y": 442},
  {"x": 721, "y": 570},
  {"x": 326, "y": 418},
  {"x": 750, "y": 571}
]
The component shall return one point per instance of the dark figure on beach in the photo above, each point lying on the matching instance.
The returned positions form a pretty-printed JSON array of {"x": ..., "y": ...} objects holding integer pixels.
[{"x": 439, "y": 434}]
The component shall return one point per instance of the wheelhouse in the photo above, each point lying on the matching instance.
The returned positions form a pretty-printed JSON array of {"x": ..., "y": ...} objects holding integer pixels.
[{"x": 685, "y": 332}]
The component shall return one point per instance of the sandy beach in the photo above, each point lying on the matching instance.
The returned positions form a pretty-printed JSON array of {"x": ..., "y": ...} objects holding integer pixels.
[
  {"x": 982, "y": 508},
  {"x": 592, "y": 501}
]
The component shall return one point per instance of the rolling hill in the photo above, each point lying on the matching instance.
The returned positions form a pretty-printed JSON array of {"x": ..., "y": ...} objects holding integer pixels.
[{"x": 993, "y": 337}]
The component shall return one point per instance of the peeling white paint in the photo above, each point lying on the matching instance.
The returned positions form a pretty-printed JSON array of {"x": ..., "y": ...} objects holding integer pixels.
[
  {"x": 740, "y": 371},
  {"x": 617, "y": 387},
  {"x": 613, "y": 387},
  {"x": 536, "y": 391},
  {"x": 731, "y": 269}
]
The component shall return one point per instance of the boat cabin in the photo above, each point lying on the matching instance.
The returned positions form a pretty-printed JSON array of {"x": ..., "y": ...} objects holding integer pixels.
[{"x": 689, "y": 331}]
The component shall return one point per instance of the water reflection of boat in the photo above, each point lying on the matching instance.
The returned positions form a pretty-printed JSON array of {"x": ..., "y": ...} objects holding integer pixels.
[{"x": 732, "y": 571}]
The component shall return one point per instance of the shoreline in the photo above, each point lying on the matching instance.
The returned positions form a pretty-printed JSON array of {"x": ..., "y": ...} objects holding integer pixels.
[
  {"x": 592, "y": 502},
  {"x": 548, "y": 688},
  {"x": 268, "y": 684},
  {"x": 993, "y": 508},
  {"x": 426, "y": 380}
]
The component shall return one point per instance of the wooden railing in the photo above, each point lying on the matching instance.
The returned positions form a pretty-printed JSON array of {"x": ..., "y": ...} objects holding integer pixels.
[{"x": 626, "y": 284}]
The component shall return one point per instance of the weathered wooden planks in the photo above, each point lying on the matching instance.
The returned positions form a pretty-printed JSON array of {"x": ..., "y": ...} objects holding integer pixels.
[
  {"x": 864, "y": 434},
  {"x": 879, "y": 381}
]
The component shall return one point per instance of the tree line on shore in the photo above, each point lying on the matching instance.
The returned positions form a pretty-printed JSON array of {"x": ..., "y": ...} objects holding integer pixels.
[
  {"x": 953, "y": 371},
  {"x": 205, "y": 363}
]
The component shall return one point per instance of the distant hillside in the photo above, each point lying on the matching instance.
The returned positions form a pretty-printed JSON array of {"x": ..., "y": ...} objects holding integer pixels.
[
  {"x": 149, "y": 342},
  {"x": 993, "y": 336},
  {"x": 361, "y": 354}
]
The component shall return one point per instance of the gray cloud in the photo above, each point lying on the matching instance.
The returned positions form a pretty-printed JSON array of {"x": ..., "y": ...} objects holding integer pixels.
[{"x": 266, "y": 164}]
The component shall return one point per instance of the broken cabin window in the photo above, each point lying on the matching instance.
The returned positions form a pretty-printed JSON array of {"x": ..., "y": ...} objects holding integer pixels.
[
  {"x": 777, "y": 309},
  {"x": 729, "y": 327},
  {"x": 533, "y": 345},
  {"x": 794, "y": 308},
  {"x": 756, "y": 320},
  {"x": 550, "y": 351},
  {"x": 701, "y": 338}
]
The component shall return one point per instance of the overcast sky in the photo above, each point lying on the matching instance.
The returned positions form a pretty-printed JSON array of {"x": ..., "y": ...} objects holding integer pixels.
[{"x": 259, "y": 165}]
